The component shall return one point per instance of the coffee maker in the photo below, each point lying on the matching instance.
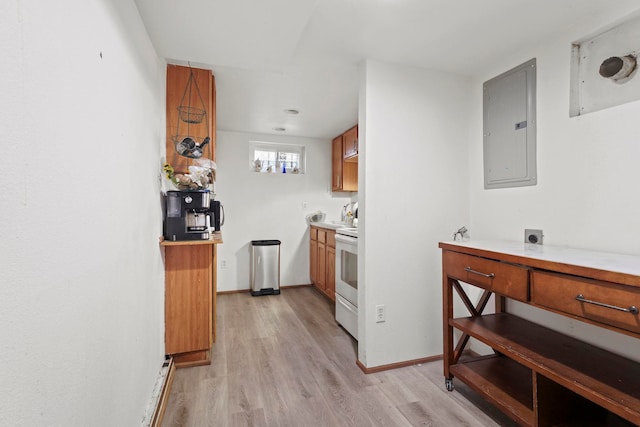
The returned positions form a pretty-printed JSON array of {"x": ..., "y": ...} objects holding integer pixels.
[{"x": 186, "y": 215}]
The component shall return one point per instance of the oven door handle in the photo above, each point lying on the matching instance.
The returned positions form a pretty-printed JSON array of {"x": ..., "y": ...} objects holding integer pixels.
[
  {"x": 345, "y": 305},
  {"x": 346, "y": 239}
]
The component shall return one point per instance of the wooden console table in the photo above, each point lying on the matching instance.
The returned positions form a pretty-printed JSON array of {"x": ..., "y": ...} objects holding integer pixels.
[
  {"x": 190, "y": 300},
  {"x": 537, "y": 376}
]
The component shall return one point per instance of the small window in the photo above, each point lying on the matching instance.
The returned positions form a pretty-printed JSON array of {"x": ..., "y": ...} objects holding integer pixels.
[{"x": 271, "y": 157}]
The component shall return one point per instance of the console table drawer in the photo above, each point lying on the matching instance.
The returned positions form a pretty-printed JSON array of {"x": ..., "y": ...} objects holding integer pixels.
[
  {"x": 601, "y": 302},
  {"x": 504, "y": 279}
]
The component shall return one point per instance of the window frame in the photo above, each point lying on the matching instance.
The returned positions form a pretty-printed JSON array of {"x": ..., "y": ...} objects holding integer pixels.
[{"x": 278, "y": 148}]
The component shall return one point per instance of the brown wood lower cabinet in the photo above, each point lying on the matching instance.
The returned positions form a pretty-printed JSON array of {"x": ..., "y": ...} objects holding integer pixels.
[
  {"x": 537, "y": 376},
  {"x": 322, "y": 254},
  {"x": 190, "y": 300},
  {"x": 330, "y": 281},
  {"x": 313, "y": 259}
]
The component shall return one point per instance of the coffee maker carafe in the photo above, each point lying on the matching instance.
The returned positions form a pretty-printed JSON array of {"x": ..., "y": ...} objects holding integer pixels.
[
  {"x": 216, "y": 214},
  {"x": 186, "y": 215}
]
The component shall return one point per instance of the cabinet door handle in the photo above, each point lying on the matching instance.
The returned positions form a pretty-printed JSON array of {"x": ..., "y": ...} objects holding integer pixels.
[
  {"x": 632, "y": 309},
  {"x": 469, "y": 270}
]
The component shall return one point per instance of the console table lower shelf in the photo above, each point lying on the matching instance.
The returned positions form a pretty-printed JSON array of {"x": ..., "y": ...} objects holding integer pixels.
[{"x": 540, "y": 377}]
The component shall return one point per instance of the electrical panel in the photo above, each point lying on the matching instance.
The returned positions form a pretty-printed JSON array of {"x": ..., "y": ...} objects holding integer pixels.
[{"x": 509, "y": 128}]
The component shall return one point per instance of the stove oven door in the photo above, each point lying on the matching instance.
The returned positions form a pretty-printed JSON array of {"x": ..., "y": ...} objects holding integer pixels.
[{"x": 347, "y": 268}]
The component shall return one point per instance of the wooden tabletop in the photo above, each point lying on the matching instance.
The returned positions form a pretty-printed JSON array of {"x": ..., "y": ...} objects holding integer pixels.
[{"x": 216, "y": 239}]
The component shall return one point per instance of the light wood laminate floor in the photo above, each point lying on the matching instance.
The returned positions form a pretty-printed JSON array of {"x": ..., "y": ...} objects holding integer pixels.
[{"x": 281, "y": 360}]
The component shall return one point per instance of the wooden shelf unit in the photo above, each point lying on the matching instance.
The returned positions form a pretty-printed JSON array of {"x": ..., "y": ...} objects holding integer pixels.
[
  {"x": 190, "y": 300},
  {"x": 177, "y": 79},
  {"x": 537, "y": 376}
]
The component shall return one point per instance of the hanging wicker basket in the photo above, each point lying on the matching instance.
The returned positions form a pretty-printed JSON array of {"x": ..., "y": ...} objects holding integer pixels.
[{"x": 190, "y": 114}]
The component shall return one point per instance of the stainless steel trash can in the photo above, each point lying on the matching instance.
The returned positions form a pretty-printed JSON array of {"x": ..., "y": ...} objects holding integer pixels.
[{"x": 265, "y": 267}]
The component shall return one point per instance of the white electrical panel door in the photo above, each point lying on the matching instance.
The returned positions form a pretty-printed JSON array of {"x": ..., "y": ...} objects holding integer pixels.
[{"x": 509, "y": 112}]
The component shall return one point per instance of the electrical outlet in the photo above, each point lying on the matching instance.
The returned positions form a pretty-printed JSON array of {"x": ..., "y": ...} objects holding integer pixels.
[
  {"x": 305, "y": 205},
  {"x": 380, "y": 315},
  {"x": 223, "y": 263},
  {"x": 533, "y": 236}
]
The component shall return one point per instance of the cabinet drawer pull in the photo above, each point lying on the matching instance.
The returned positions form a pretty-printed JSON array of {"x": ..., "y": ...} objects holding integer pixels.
[
  {"x": 469, "y": 270},
  {"x": 633, "y": 309}
]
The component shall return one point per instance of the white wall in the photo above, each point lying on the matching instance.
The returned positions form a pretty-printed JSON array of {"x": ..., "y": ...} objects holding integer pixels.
[
  {"x": 262, "y": 206},
  {"x": 81, "y": 301},
  {"x": 588, "y": 175},
  {"x": 413, "y": 184}
]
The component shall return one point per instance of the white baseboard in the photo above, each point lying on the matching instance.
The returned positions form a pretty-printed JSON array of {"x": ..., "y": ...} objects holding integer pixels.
[{"x": 161, "y": 394}]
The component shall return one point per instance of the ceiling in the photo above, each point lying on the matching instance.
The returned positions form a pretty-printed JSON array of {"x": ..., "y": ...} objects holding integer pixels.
[{"x": 272, "y": 55}]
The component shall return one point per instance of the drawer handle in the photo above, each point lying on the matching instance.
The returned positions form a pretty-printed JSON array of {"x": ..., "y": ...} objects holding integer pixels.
[
  {"x": 633, "y": 309},
  {"x": 470, "y": 270}
]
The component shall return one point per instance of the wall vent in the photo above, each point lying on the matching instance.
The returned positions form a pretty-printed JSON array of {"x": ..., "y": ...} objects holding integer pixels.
[{"x": 604, "y": 68}]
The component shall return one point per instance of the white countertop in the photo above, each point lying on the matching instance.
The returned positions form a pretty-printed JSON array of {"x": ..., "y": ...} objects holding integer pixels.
[
  {"x": 627, "y": 264},
  {"x": 330, "y": 225}
]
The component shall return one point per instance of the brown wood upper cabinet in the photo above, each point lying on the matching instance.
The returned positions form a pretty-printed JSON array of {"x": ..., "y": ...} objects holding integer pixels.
[
  {"x": 177, "y": 79},
  {"x": 344, "y": 175},
  {"x": 336, "y": 162},
  {"x": 350, "y": 143}
]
